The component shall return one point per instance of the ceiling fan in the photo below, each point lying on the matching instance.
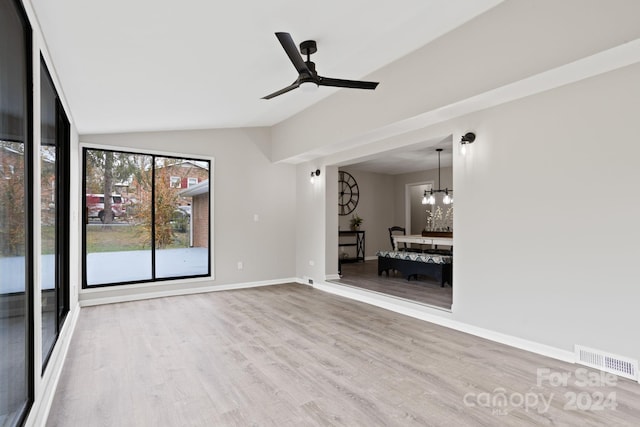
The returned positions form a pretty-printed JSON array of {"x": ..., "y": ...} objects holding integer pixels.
[{"x": 307, "y": 74}]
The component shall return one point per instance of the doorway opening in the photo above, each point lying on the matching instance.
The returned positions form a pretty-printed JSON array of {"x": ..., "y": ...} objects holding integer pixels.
[
  {"x": 391, "y": 186},
  {"x": 415, "y": 211}
]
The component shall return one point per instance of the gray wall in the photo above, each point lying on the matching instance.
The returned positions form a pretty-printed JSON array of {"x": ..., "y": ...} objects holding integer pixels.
[
  {"x": 245, "y": 183},
  {"x": 538, "y": 266},
  {"x": 375, "y": 207},
  {"x": 418, "y": 214}
]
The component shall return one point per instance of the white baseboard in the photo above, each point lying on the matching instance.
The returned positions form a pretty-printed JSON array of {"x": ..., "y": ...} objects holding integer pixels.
[
  {"x": 444, "y": 318},
  {"x": 44, "y": 396},
  {"x": 183, "y": 291}
]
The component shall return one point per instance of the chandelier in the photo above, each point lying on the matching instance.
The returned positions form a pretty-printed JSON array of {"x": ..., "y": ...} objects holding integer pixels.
[{"x": 429, "y": 196}]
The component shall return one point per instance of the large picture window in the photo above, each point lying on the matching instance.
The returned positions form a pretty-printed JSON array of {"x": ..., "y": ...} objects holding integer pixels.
[
  {"x": 139, "y": 224},
  {"x": 16, "y": 216}
]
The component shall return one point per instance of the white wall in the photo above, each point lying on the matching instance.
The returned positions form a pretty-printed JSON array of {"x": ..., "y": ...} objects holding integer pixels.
[
  {"x": 245, "y": 183},
  {"x": 310, "y": 225}
]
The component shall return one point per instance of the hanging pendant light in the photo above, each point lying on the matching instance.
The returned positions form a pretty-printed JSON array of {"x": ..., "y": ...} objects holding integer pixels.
[
  {"x": 432, "y": 199},
  {"x": 447, "y": 199}
]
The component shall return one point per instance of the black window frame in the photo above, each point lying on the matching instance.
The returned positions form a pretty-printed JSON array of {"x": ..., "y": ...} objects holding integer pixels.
[
  {"x": 63, "y": 196},
  {"x": 27, "y": 34},
  {"x": 153, "y": 279}
]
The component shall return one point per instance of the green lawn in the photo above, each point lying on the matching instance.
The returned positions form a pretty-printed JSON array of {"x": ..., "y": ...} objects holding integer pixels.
[
  {"x": 125, "y": 238},
  {"x": 48, "y": 239},
  {"x": 112, "y": 239}
]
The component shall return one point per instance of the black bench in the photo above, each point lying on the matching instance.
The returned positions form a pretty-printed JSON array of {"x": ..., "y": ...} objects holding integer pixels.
[{"x": 411, "y": 264}]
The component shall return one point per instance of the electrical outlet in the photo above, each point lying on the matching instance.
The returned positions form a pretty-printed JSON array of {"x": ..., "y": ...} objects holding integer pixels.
[
  {"x": 312, "y": 263},
  {"x": 240, "y": 265},
  {"x": 311, "y": 281}
]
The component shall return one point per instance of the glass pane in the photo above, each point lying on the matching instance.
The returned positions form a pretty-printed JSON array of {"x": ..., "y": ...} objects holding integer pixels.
[
  {"x": 14, "y": 323},
  {"x": 48, "y": 212},
  {"x": 118, "y": 217},
  {"x": 181, "y": 217}
]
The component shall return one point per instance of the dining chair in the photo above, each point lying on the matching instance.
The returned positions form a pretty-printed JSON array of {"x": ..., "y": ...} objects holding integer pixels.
[{"x": 396, "y": 229}]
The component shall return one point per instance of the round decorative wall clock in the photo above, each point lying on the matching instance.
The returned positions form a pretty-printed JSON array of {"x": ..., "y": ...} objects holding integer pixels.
[{"x": 348, "y": 193}]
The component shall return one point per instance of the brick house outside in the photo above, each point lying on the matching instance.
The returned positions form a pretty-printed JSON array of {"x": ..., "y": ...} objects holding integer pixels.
[{"x": 199, "y": 213}]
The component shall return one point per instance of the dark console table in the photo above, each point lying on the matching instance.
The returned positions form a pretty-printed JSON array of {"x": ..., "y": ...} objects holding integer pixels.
[{"x": 352, "y": 239}]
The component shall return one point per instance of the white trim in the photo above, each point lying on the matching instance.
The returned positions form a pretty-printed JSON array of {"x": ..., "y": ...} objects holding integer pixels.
[
  {"x": 42, "y": 402},
  {"x": 162, "y": 283},
  {"x": 173, "y": 179},
  {"x": 370, "y": 258},
  {"x": 196, "y": 189},
  {"x": 443, "y": 317},
  {"x": 185, "y": 291},
  {"x": 332, "y": 277},
  {"x": 301, "y": 281}
]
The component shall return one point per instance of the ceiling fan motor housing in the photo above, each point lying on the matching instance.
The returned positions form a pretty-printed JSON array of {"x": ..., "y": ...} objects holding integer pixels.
[{"x": 308, "y": 47}]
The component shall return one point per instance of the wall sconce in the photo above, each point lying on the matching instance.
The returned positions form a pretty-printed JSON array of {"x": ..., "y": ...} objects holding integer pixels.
[
  {"x": 314, "y": 174},
  {"x": 467, "y": 138}
]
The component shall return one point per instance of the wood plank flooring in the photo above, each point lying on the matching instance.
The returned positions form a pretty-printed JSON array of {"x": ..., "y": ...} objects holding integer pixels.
[
  {"x": 424, "y": 290},
  {"x": 289, "y": 355}
]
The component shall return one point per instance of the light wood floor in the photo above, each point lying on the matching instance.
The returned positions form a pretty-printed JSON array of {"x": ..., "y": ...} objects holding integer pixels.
[
  {"x": 423, "y": 290},
  {"x": 289, "y": 355}
]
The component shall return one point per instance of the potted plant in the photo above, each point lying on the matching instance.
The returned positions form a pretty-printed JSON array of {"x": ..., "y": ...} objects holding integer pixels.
[{"x": 355, "y": 223}]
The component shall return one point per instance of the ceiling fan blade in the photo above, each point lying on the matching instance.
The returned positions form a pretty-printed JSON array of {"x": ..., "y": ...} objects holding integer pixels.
[
  {"x": 293, "y": 86},
  {"x": 292, "y": 51},
  {"x": 353, "y": 84}
]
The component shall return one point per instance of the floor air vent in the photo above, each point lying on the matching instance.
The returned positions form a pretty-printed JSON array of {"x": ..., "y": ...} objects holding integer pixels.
[{"x": 607, "y": 362}]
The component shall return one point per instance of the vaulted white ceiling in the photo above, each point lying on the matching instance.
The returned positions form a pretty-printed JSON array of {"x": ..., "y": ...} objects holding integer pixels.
[{"x": 167, "y": 65}]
